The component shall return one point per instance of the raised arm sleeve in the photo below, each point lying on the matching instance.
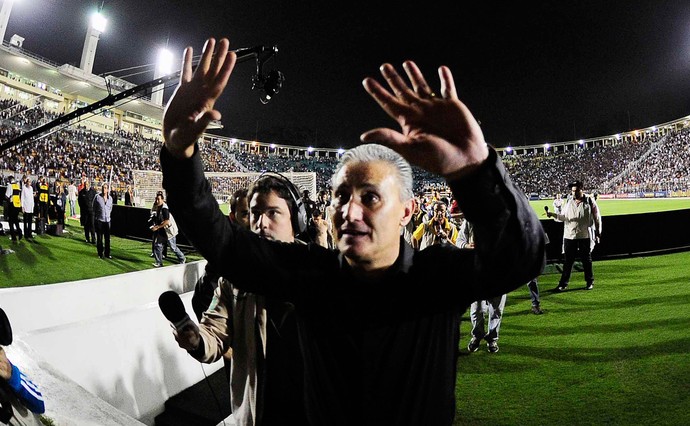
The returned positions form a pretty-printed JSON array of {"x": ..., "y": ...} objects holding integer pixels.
[
  {"x": 250, "y": 263},
  {"x": 509, "y": 239}
]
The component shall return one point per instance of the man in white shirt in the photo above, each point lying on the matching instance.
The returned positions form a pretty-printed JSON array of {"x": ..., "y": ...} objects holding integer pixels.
[{"x": 581, "y": 231}]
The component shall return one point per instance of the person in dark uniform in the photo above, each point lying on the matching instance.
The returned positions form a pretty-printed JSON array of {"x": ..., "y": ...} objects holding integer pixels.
[{"x": 85, "y": 199}]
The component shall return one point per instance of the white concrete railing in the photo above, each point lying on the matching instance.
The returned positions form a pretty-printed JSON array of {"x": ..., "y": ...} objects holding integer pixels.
[{"x": 109, "y": 336}]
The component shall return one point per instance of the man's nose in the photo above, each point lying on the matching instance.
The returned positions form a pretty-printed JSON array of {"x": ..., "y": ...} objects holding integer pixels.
[{"x": 352, "y": 211}]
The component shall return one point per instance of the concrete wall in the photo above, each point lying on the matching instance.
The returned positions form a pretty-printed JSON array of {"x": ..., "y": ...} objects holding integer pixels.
[{"x": 109, "y": 336}]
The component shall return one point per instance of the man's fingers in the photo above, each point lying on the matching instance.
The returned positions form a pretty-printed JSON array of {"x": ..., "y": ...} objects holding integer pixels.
[
  {"x": 386, "y": 101},
  {"x": 417, "y": 79},
  {"x": 219, "y": 57},
  {"x": 206, "y": 58},
  {"x": 392, "y": 139},
  {"x": 447, "y": 83},
  {"x": 226, "y": 69},
  {"x": 397, "y": 84},
  {"x": 186, "y": 74}
]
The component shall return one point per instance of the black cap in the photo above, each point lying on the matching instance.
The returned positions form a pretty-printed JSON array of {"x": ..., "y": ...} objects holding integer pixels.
[{"x": 577, "y": 184}]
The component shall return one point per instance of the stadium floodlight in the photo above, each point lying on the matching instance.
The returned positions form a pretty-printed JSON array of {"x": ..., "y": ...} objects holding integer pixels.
[
  {"x": 273, "y": 146},
  {"x": 164, "y": 66},
  {"x": 96, "y": 27},
  {"x": 547, "y": 146},
  {"x": 582, "y": 142},
  {"x": 618, "y": 136},
  {"x": 98, "y": 22},
  {"x": 310, "y": 149},
  {"x": 341, "y": 151},
  {"x": 509, "y": 149},
  {"x": 164, "y": 63}
]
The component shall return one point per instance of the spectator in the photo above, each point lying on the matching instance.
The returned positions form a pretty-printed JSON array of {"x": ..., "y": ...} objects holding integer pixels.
[
  {"x": 28, "y": 207},
  {"x": 129, "y": 196},
  {"x": 102, "y": 207},
  {"x": 439, "y": 230},
  {"x": 14, "y": 206},
  {"x": 86, "y": 202},
  {"x": 72, "y": 198}
]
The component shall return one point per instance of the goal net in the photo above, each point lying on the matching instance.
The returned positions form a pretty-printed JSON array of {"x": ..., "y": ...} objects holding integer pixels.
[{"x": 223, "y": 185}]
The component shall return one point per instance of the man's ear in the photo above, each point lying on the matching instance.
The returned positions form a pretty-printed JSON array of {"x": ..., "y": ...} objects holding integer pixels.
[{"x": 408, "y": 211}]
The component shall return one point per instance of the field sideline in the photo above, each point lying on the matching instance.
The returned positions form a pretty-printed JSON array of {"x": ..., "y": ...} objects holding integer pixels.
[{"x": 615, "y": 207}]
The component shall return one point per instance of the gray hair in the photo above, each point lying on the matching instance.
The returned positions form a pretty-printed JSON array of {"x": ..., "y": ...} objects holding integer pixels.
[{"x": 374, "y": 152}]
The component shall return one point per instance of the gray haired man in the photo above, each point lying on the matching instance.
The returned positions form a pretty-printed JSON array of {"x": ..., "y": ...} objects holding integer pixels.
[{"x": 378, "y": 347}]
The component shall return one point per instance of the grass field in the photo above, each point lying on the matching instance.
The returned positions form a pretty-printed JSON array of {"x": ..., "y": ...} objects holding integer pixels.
[
  {"x": 49, "y": 259},
  {"x": 616, "y": 355},
  {"x": 617, "y": 207}
]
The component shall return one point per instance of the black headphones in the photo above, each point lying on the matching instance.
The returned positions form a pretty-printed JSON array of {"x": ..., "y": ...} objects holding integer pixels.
[{"x": 299, "y": 213}]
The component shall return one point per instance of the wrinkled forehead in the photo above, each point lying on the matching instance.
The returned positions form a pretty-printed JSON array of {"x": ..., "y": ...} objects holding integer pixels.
[{"x": 379, "y": 174}]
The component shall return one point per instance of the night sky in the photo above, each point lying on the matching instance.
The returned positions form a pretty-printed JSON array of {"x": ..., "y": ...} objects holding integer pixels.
[{"x": 544, "y": 72}]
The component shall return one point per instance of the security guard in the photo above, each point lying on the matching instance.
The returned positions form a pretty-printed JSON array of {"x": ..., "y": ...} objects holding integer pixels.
[{"x": 42, "y": 219}]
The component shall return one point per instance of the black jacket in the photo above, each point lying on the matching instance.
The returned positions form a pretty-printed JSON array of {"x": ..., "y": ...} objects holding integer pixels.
[{"x": 379, "y": 352}]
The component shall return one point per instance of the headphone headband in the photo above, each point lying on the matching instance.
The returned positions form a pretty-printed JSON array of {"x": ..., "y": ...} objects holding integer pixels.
[{"x": 300, "y": 215}]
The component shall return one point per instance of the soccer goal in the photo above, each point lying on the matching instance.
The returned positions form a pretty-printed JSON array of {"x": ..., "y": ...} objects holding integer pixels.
[{"x": 223, "y": 185}]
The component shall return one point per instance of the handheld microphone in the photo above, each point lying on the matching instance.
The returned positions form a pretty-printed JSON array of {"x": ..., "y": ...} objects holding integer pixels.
[
  {"x": 5, "y": 329},
  {"x": 173, "y": 309}
]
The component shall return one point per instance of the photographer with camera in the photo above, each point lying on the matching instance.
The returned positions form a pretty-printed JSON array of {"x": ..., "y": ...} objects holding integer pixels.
[{"x": 164, "y": 231}]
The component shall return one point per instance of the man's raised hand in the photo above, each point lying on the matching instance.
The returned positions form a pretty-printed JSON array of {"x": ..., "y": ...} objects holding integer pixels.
[
  {"x": 191, "y": 108},
  {"x": 438, "y": 133}
]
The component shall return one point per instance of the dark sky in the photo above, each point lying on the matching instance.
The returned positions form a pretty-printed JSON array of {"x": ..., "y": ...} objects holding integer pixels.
[{"x": 542, "y": 72}]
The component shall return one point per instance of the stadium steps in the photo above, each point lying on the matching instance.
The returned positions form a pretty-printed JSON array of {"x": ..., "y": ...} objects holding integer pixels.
[{"x": 197, "y": 405}]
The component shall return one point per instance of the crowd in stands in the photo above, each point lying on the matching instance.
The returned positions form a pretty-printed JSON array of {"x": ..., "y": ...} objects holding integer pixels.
[
  {"x": 550, "y": 173},
  {"x": 72, "y": 152},
  {"x": 665, "y": 168}
]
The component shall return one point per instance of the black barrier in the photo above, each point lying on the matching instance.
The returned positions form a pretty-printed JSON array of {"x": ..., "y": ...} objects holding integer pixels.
[
  {"x": 630, "y": 235},
  {"x": 623, "y": 236},
  {"x": 133, "y": 222}
]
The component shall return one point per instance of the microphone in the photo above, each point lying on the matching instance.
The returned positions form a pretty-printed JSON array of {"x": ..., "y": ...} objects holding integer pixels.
[
  {"x": 5, "y": 329},
  {"x": 173, "y": 309}
]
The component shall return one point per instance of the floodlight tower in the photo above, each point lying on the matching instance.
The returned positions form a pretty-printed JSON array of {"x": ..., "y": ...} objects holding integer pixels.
[
  {"x": 96, "y": 28},
  {"x": 163, "y": 68},
  {"x": 5, "y": 17}
]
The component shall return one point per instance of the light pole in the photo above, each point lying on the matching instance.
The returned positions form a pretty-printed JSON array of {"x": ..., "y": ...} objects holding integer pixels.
[
  {"x": 163, "y": 68},
  {"x": 5, "y": 17},
  {"x": 96, "y": 28}
]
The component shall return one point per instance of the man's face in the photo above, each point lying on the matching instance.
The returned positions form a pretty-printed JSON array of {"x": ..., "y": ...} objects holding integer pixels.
[
  {"x": 104, "y": 188},
  {"x": 269, "y": 217},
  {"x": 241, "y": 213},
  {"x": 577, "y": 192},
  {"x": 87, "y": 184},
  {"x": 439, "y": 212},
  {"x": 369, "y": 213}
]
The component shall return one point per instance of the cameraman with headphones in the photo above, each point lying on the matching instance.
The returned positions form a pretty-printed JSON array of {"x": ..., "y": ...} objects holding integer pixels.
[{"x": 266, "y": 375}]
